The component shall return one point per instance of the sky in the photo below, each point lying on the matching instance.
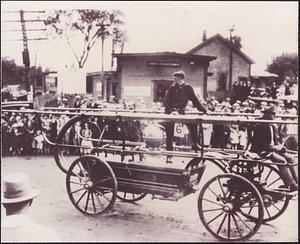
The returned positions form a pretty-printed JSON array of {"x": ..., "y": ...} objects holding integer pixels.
[{"x": 267, "y": 29}]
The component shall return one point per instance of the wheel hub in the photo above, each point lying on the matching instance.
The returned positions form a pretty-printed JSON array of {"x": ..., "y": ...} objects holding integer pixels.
[
  {"x": 88, "y": 184},
  {"x": 227, "y": 208},
  {"x": 267, "y": 199}
]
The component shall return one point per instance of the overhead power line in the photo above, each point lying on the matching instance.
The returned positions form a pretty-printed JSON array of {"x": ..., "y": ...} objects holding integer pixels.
[
  {"x": 32, "y": 20},
  {"x": 26, "y": 30},
  {"x": 28, "y": 39},
  {"x": 25, "y": 52},
  {"x": 24, "y": 11}
]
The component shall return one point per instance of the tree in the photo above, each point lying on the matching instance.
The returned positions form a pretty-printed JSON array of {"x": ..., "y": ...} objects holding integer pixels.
[
  {"x": 236, "y": 41},
  {"x": 89, "y": 23},
  {"x": 11, "y": 73},
  {"x": 284, "y": 65}
]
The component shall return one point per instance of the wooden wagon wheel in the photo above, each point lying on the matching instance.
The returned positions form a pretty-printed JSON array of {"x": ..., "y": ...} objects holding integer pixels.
[
  {"x": 131, "y": 197},
  {"x": 219, "y": 205},
  {"x": 61, "y": 150},
  {"x": 91, "y": 185},
  {"x": 274, "y": 203}
]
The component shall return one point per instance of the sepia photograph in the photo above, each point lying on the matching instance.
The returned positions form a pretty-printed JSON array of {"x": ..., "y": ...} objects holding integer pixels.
[{"x": 149, "y": 121}]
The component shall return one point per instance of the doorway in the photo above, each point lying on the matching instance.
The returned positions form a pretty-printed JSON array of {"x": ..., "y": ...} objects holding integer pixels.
[{"x": 160, "y": 89}]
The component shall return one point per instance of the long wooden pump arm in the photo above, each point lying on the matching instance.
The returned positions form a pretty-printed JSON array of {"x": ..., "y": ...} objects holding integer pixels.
[
  {"x": 156, "y": 111},
  {"x": 187, "y": 118}
]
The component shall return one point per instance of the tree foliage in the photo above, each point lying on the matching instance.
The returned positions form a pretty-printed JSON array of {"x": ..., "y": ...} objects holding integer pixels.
[
  {"x": 87, "y": 24},
  {"x": 284, "y": 65},
  {"x": 13, "y": 74},
  {"x": 236, "y": 41}
]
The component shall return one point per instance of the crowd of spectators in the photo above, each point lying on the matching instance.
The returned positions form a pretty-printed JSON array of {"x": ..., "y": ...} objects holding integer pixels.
[
  {"x": 272, "y": 91},
  {"x": 238, "y": 136},
  {"x": 240, "y": 90},
  {"x": 22, "y": 134}
]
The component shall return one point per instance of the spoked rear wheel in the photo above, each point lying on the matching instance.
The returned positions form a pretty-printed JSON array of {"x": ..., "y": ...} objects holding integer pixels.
[
  {"x": 219, "y": 205},
  {"x": 131, "y": 197},
  {"x": 91, "y": 185},
  {"x": 65, "y": 151},
  {"x": 274, "y": 203}
]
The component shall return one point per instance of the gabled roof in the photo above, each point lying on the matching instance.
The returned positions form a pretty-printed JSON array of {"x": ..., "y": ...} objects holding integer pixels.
[
  {"x": 226, "y": 42},
  {"x": 171, "y": 54}
]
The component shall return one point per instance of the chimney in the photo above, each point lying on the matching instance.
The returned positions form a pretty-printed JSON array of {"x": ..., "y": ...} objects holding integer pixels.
[{"x": 204, "y": 36}]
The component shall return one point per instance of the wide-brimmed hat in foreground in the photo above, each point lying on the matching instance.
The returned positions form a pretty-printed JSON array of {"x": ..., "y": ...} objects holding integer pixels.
[{"x": 17, "y": 188}]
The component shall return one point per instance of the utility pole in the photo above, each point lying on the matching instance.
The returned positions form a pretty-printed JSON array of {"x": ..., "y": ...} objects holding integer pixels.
[
  {"x": 25, "y": 52},
  {"x": 230, "y": 33},
  {"x": 122, "y": 47},
  {"x": 230, "y": 58},
  {"x": 113, "y": 47},
  {"x": 103, "y": 34},
  {"x": 115, "y": 39}
]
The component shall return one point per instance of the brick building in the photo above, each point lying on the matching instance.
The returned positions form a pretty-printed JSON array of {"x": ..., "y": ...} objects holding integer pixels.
[
  {"x": 231, "y": 64},
  {"x": 149, "y": 75}
]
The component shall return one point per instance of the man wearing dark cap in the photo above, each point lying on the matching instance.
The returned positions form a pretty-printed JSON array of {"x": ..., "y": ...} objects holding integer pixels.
[
  {"x": 263, "y": 142},
  {"x": 175, "y": 102}
]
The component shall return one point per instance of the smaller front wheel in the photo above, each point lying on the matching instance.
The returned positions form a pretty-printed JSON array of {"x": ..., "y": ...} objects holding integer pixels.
[
  {"x": 91, "y": 185},
  {"x": 221, "y": 202}
]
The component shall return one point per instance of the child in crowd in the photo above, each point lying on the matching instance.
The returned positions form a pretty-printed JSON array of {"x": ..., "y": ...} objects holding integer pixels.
[
  {"x": 39, "y": 139},
  {"x": 234, "y": 136},
  {"x": 46, "y": 124},
  {"x": 76, "y": 130},
  {"x": 87, "y": 134},
  {"x": 243, "y": 138}
]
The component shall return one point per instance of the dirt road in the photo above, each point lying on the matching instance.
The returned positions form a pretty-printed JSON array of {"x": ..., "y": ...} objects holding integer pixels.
[{"x": 145, "y": 221}]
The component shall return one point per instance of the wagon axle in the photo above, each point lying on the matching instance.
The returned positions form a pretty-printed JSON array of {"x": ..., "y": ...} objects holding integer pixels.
[{"x": 88, "y": 184}]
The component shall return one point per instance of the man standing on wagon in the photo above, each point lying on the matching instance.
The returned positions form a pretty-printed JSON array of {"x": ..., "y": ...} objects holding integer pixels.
[{"x": 175, "y": 102}]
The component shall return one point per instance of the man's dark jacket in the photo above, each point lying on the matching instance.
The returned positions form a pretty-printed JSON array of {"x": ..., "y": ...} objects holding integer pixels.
[
  {"x": 177, "y": 97},
  {"x": 261, "y": 139}
]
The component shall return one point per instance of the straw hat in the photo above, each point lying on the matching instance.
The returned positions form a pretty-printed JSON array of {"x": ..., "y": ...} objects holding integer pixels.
[{"x": 17, "y": 188}]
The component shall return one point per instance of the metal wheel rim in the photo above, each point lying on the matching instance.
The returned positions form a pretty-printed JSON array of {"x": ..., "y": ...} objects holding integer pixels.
[
  {"x": 88, "y": 193},
  {"x": 273, "y": 182},
  {"x": 227, "y": 212}
]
